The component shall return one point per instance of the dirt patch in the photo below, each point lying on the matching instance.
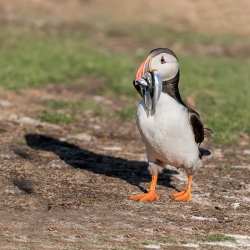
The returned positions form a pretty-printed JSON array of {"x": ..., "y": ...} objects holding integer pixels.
[{"x": 67, "y": 186}]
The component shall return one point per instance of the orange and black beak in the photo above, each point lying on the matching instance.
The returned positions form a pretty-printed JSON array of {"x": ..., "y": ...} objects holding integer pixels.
[
  {"x": 148, "y": 83},
  {"x": 144, "y": 68}
]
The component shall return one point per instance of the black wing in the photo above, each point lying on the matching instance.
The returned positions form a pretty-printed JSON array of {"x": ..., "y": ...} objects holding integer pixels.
[{"x": 196, "y": 125}]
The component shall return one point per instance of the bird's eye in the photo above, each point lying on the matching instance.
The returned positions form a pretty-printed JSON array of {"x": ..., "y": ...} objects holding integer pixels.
[{"x": 163, "y": 60}]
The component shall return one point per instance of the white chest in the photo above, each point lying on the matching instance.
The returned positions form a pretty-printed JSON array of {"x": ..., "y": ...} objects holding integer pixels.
[{"x": 168, "y": 135}]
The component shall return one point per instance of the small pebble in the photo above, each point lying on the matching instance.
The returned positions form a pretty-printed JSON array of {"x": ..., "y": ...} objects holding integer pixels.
[
  {"x": 62, "y": 139},
  {"x": 113, "y": 148},
  {"x": 218, "y": 207},
  {"x": 81, "y": 137},
  {"x": 235, "y": 205},
  {"x": 5, "y": 103},
  {"x": 152, "y": 247}
]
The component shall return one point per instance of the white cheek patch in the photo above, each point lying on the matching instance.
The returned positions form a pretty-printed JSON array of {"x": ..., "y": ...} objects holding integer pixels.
[{"x": 167, "y": 70}]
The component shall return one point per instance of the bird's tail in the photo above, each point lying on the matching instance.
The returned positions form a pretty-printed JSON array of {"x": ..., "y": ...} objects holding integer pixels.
[{"x": 203, "y": 152}]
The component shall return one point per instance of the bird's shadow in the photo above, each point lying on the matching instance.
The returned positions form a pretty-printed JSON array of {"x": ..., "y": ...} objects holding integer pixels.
[{"x": 133, "y": 172}]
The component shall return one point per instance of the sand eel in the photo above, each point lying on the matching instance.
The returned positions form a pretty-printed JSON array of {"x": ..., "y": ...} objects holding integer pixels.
[{"x": 172, "y": 131}]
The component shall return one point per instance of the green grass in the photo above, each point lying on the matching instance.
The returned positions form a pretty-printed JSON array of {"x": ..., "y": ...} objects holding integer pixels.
[
  {"x": 56, "y": 118},
  {"x": 20, "y": 142},
  {"x": 225, "y": 167},
  {"x": 221, "y": 89},
  {"x": 210, "y": 238},
  {"x": 166, "y": 240},
  {"x": 204, "y": 239},
  {"x": 217, "y": 238},
  {"x": 219, "y": 86},
  {"x": 32, "y": 61},
  {"x": 82, "y": 106},
  {"x": 186, "y": 241},
  {"x": 97, "y": 109}
]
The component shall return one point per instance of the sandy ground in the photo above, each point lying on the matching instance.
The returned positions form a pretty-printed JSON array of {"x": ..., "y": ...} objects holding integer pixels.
[{"x": 68, "y": 186}]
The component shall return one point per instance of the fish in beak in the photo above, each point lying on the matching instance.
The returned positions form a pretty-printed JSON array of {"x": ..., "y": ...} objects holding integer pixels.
[{"x": 148, "y": 82}]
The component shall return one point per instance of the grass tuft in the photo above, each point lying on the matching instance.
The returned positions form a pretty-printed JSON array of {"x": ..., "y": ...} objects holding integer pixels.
[
  {"x": 224, "y": 166},
  {"x": 186, "y": 241},
  {"x": 217, "y": 238},
  {"x": 166, "y": 240},
  {"x": 56, "y": 118},
  {"x": 82, "y": 106}
]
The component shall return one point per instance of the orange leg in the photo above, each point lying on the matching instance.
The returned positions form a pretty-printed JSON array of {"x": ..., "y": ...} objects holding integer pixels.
[
  {"x": 186, "y": 194},
  {"x": 151, "y": 195}
]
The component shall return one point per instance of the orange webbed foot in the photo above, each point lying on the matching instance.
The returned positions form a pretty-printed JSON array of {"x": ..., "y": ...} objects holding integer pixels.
[
  {"x": 150, "y": 196},
  {"x": 184, "y": 195}
]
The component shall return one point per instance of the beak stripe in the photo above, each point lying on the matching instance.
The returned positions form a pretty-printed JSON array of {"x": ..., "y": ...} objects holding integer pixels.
[{"x": 141, "y": 70}]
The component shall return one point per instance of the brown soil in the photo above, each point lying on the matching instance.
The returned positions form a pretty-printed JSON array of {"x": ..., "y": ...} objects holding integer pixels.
[{"x": 67, "y": 186}]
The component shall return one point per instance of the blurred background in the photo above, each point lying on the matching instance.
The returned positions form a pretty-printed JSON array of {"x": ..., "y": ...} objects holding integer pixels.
[{"x": 95, "y": 47}]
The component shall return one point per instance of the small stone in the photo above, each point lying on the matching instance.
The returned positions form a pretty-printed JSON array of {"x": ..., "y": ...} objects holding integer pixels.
[
  {"x": 152, "y": 246},
  {"x": 5, "y": 103},
  {"x": 96, "y": 127},
  {"x": 242, "y": 185},
  {"x": 235, "y": 205},
  {"x": 112, "y": 148},
  {"x": 5, "y": 156},
  {"x": 30, "y": 121},
  {"x": 218, "y": 207},
  {"x": 62, "y": 139},
  {"x": 246, "y": 152},
  {"x": 81, "y": 137},
  {"x": 12, "y": 117}
]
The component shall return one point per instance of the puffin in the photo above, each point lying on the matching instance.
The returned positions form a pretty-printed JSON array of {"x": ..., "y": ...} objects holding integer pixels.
[{"x": 171, "y": 131}]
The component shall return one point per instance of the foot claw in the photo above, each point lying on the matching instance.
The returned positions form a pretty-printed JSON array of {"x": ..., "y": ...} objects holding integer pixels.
[{"x": 150, "y": 196}]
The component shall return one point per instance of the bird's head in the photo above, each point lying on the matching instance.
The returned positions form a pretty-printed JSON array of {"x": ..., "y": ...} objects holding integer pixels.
[{"x": 160, "y": 67}]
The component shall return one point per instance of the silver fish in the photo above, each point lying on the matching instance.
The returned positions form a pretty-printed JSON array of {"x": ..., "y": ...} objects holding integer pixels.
[
  {"x": 150, "y": 90},
  {"x": 143, "y": 86},
  {"x": 142, "y": 81},
  {"x": 154, "y": 81},
  {"x": 148, "y": 101},
  {"x": 156, "y": 92}
]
